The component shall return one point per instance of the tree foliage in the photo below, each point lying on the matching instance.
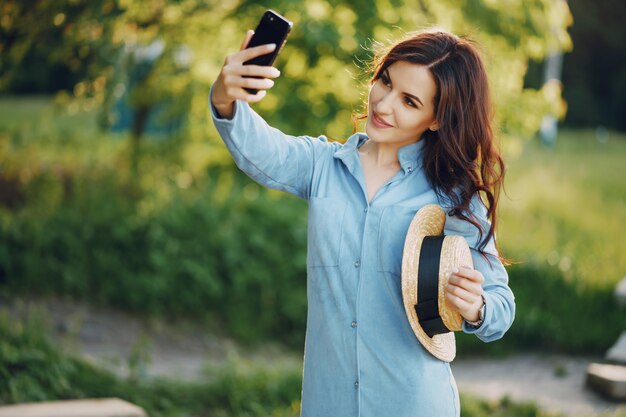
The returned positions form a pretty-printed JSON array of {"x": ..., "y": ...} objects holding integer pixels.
[{"x": 323, "y": 64}]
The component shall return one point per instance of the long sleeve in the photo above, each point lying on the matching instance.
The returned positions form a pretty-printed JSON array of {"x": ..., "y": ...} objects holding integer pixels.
[
  {"x": 267, "y": 155},
  {"x": 499, "y": 299}
]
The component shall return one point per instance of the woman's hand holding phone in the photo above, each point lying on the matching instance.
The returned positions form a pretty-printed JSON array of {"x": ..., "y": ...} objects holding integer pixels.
[{"x": 235, "y": 77}]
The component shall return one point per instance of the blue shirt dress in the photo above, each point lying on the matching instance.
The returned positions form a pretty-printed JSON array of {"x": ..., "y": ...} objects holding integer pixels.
[{"x": 361, "y": 356}]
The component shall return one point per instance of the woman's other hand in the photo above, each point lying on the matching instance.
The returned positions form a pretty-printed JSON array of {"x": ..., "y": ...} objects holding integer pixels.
[
  {"x": 464, "y": 292},
  {"x": 233, "y": 78}
]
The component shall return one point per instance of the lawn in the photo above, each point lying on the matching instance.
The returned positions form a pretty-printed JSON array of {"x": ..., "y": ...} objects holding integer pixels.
[{"x": 566, "y": 205}]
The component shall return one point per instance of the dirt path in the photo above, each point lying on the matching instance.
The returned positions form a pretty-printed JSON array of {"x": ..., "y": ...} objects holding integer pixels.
[
  {"x": 556, "y": 383},
  {"x": 183, "y": 351}
]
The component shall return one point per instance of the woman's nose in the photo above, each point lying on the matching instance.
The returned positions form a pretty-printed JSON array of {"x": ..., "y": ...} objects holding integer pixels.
[{"x": 384, "y": 104}]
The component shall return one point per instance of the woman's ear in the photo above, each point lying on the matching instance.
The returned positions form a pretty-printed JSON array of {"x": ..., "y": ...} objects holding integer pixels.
[{"x": 434, "y": 126}]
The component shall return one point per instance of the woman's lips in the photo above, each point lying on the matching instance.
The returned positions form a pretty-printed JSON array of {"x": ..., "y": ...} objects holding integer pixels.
[{"x": 378, "y": 122}]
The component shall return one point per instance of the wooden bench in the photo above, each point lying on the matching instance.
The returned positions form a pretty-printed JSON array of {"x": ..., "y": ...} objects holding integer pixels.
[{"x": 100, "y": 407}]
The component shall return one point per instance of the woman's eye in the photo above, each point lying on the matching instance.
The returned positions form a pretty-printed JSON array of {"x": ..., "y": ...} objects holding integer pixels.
[
  {"x": 409, "y": 102},
  {"x": 385, "y": 80}
]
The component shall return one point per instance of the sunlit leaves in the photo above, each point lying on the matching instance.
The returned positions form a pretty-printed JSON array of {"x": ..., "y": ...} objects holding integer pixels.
[{"x": 322, "y": 66}]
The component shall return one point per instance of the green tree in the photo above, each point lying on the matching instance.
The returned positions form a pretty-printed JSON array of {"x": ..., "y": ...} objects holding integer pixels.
[{"x": 324, "y": 77}]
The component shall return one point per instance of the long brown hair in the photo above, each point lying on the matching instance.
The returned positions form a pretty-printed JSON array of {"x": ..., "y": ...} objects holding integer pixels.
[{"x": 460, "y": 158}]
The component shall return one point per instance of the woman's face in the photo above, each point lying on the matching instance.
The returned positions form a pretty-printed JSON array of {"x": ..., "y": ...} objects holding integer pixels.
[{"x": 401, "y": 104}]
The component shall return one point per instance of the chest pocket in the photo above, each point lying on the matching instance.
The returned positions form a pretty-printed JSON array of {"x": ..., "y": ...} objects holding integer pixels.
[
  {"x": 325, "y": 231},
  {"x": 394, "y": 224}
]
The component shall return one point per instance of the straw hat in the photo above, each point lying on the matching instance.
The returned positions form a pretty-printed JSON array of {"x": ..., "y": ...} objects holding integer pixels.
[{"x": 427, "y": 262}]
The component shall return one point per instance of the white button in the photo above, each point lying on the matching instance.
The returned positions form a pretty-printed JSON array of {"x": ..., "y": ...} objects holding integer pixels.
[
  {"x": 410, "y": 169},
  {"x": 357, "y": 263},
  {"x": 353, "y": 324},
  {"x": 356, "y": 384},
  {"x": 365, "y": 210}
]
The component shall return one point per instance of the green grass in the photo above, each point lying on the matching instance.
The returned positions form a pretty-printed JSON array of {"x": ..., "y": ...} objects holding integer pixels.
[
  {"x": 566, "y": 207},
  {"x": 22, "y": 111},
  {"x": 561, "y": 220}
]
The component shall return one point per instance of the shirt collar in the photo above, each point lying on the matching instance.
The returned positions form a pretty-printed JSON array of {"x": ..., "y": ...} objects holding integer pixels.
[
  {"x": 408, "y": 155},
  {"x": 348, "y": 151}
]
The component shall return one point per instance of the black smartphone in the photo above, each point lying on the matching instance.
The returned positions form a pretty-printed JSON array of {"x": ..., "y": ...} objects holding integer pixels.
[{"x": 273, "y": 28}]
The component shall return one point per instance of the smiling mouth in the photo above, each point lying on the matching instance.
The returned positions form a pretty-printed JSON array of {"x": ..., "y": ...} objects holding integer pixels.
[{"x": 379, "y": 120}]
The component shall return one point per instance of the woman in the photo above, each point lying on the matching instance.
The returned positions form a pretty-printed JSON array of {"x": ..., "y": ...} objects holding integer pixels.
[{"x": 428, "y": 139}]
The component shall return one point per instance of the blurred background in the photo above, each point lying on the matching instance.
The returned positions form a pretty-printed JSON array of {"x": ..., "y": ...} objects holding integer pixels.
[{"x": 118, "y": 198}]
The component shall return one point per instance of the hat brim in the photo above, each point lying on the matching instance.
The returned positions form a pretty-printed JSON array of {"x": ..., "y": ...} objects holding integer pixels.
[{"x": 430, "y": 221}]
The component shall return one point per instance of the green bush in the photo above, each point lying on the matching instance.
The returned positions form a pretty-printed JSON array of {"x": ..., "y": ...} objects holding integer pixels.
[
  {"x": 237, "y": 258},
  {"x": 568, "y": 316},
  {"x": 561, "y": 206},
  {"x": 555, "y": 315},
  {"x": 32, "y": 369}
]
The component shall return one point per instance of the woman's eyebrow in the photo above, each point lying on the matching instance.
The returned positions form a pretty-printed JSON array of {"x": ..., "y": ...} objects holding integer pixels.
[{"x": 405, "y": 93}]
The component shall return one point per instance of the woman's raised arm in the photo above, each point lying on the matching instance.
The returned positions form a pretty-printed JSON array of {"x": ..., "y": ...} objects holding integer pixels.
[{"x": 267, "y": 155}]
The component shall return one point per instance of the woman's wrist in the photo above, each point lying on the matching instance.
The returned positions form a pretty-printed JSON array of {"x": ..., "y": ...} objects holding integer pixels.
[
  {"x": 481, "y": 315},
  {"x": 224, "y": 108},
  {"x": 225, "y": 111}
]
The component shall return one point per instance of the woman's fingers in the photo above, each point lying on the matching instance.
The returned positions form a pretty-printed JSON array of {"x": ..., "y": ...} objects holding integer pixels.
[
  {"x": 257, "y": 83},
  {"x": 253, "y": 98},
  {"x": 235, "y": 77},
  {"x": 469, "y": 273},
  {"x": 461, "y": 293},
  {"x": 467, "y": 303},
  {"x": 234, "y": 81},
  {"x": 464, "y": 291},
  {"x": 249, "y": 53},
  {"x": 250, "y": 98},
  {"x": 252, "y": 71},
  {"x": 459, "y": 304},
  {"x": 246, "y": 41},
  {"x": 466, "y": 283}
]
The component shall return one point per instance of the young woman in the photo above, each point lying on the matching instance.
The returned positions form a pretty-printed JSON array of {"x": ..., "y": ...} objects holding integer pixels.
[{"x": 428, "y": 139}]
